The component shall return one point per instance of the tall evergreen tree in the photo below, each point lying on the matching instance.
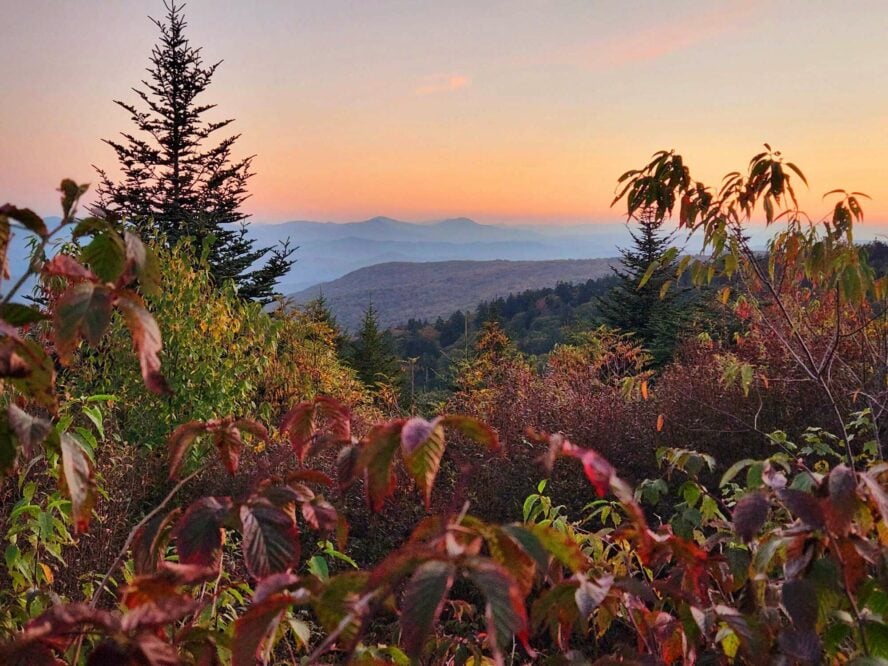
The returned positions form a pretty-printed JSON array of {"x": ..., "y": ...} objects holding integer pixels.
[
  {"x": 373, "y": 352},
  {"x": 652, "y": 316},
  {"x": 177, "y": 179}
]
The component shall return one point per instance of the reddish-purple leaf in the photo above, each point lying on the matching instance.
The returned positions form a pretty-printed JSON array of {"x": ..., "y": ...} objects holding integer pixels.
[
  {"x": 320, "y": 514},
  {"x": 79, "y": 481},
  {"x": 347, "y": 469},
  {"x": 303, "y": 423},
  {"x": 504, "y": 606},
  {"x": 422, "y": 445},
  {"x": 799, "y": 598},
  {"x": 31, "y": 431},
  {"x": 422, "y": 602},
  {"x": 66, "y": 266},
  {"x": 146, "y": 340},
  {"x": 804, "y": 506},
  {"x": 83, "y": 311},
  {"x": 149, "y": 540},
  {"x": 749, "y": 515},
  {"x": 252, "y": 427},
  {"x": 472, "y": 428},
  {"x": 878, "y": 494},
  {"x": 273, "y": 584},
  {"x": 310, "y": 476},
  {"x": 155, "y": 651},
  {"x": 591, "y": 593},
  {"x": 842, "y": 498},
  {"x": 271, "y": 539},
  {"x": 199, "y": 532},
  {"x": 255, "y": 627},
  {"x": 180, "y": 441},
  {"x": 376, "y": 456},
  {"x": 227, "y": 439}
]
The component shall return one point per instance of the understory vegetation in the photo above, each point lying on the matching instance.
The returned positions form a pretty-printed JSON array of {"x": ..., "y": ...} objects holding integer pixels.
[{"x": 190, "y": 477}]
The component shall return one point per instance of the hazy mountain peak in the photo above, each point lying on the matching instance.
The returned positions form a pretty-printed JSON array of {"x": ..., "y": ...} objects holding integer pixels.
[{"x": 457, "y": 222}]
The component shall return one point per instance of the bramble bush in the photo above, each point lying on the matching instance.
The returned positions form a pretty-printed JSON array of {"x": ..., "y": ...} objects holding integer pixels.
[{"x": 781, "y": 558}]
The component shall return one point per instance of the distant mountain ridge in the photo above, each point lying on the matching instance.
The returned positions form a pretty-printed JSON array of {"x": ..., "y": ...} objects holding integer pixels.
[
  {"x": 329, "y": 250},
  {"x": 401, "y": 290}
]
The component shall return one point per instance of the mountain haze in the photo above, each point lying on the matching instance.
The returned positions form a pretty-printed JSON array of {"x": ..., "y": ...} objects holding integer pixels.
[{"x": 329, "y": 250}]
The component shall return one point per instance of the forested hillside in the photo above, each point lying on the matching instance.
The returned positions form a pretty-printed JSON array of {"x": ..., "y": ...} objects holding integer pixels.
[{"x": 429, "y": 290}]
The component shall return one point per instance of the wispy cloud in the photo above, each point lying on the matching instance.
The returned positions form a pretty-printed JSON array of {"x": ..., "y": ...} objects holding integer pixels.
[
  {"x": 661, "y": 39},
  {"x": 433, "y": 85}
]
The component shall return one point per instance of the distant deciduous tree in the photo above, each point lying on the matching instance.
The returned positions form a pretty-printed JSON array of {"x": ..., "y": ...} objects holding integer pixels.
[{"x": 174, "y": 185}]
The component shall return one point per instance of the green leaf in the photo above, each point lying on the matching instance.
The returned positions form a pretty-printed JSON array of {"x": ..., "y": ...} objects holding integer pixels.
[
  {"x": 18, "y": 314},
  {"x": 648, "y": 274},
  {"x": 543, "y": 541},
  {"x": 335, "y": 603},
  {"x": 106, "y": 256},
  {"x": 734, "y": 470},
  {"x": 422, "y": 602},
  {"x": 271, "y": 539}
]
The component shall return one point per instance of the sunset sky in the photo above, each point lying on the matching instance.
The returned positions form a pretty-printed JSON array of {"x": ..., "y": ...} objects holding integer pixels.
[{"x": 512, "y": 111}]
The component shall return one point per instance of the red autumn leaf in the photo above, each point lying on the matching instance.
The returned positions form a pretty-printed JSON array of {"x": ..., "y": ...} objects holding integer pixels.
[
  {"x": 376, "y": 457},
  {"x": 227, "y": 439},
  {"x": 422, "y": 602},
  {"x": 199, "y": 534},
  {"x": 146, "y": 340},
  {"x": 271, "y": 539},
  {"x": 149, "y": 541},
  {"x": 598, "y": 470},
  {"x": 472, "y": 428},
  {"x": 804, "y": 506},
  {"x": 255, "y": 627},
  {"x": 749, "y": 515},
  {"x": 504, "y": 606},
  {"x": 79, "y": 481},
  {"x": 83, "y": 311},
  {"x": 65, "y": 266},
  {"x": 422, "y": 445},
  {"x": 322, "y": 419},
  {"x": 180, "y": 441}
]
